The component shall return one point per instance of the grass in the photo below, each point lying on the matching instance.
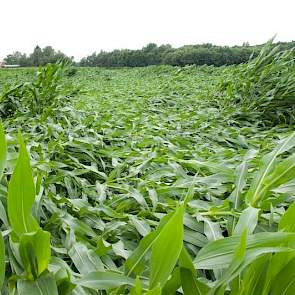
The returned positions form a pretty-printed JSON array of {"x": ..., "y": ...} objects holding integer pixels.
[{"x": 143, "y": 181}]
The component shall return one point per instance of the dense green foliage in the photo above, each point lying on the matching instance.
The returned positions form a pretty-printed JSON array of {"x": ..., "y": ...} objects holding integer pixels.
[
  {"x": 151, "y": 54},
  {"x": 264, "y": 87},
  {"x": 206, "y": 54},
  {"x": 38, "y": 57},
  {"x": 143, "y": 181}
]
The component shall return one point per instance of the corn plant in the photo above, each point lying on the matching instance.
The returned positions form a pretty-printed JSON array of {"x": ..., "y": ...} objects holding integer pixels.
[{"x": 264, "y": 85}]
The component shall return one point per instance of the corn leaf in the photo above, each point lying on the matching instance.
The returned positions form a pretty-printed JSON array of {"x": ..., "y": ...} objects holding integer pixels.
[
  {"x": 104, "y": 280},
  {"x": 21, "y": 195},
  {"x": 255, "y": 275},
  {"x": 137, "y": 289},
  {"x": 284, "y": 282},
  {"x": 84, "y": 259},
  {"x": 234, "y": 268},
  {"x": 287, "y": 222},
  {"x": 34, "y": 250},
  {"x": 44, "y": 285},
  {"x": 135, "y": 262},
  {"x": 248, "y": 220},
  {"x": 155, "y": 291},
  {"x": 166, "y": 249},
  {"x": 255, "y": 192},
  {"x": 219, "y": 254},
  {"x": 3, "y": 150},
  {"x": 2, "y": 261},
  {"x": 188, "y": 276}
]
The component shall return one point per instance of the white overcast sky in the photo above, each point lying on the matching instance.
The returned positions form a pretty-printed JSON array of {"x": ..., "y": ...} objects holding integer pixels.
[{"x": 80, "y": 27}]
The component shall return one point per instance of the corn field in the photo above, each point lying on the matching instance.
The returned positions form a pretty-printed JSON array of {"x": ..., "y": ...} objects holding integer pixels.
[{"x": 156, "y": 180}]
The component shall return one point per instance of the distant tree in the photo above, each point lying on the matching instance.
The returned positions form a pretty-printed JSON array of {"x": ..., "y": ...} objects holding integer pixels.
[
  {"x": 36, "y": 56},
  {"x": 48, "y": 55},
  {"x": 150, "y": 47}
]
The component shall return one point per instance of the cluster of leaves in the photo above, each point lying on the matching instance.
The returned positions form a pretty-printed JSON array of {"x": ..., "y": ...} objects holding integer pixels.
[
  {"x": 149, "y": 190},
  {"x": 265, "y": 85},
  {"x": 40, "y": 95}
]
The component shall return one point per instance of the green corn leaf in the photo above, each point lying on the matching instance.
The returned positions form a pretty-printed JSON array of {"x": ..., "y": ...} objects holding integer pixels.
[
  {"x": 3, "y": 150},
  {"x": 137, "y": 289},
  {"x": 284, "y": 282},
  {"x": 212, "y": 230},
  {"x": 218, "y": 254},
  {"x": 3, "y": 215},
  {"x": 255, "y": 192},
  {"x": 236, "y": 196},
  {"x": 173, "y": 283},
  {"x": 279, "y": 261},
  {"x": 188, "y": 276},
  {"x": 155, "y": 291},
  {"x": 236, "y": 286},
  {"x": 2, "y": 261},
  {"x": 276, "y": 264},
  {"x": 248, "y": 220},
  {"x": 21, "y": 195},
  {"x": 104, "y": 280},
  {"x": 211, "y": 166},
  {"x": 85, "y": 260},
  {"x": 141, "y": 226},
  {"x": 241, "y": 172},
  {"x": 255, "y": 275},
  {"x": 287, "y": 222},
  {"x": 166, "y": 249},
  {"x": 234, "y": 268},
  {"x": 185, "y": 261},
  {"x": 135, "y": 262},
  {"x": 34, "y": 249},
  {"x": 190, "y": 284},
  {"x": 44, "y": 285},
  {"x": 282, "y": 173}
]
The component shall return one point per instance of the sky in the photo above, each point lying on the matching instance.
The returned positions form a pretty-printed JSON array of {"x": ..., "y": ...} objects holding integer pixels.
[{"x": 81, "y": 27}]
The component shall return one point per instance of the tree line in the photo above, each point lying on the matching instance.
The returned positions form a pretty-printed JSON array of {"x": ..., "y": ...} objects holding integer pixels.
[
  {"x": 40, "y": 56},
  {"x": 151, "y": 54}
]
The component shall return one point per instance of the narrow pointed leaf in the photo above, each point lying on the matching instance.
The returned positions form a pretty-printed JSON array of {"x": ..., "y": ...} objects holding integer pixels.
[
  {"x": 104, "y": 280},
  {"x": 21, "y": 195},
  {"x": 155, "y": 291},
  {"x": 219, "y": 254},
  {"x": 2, "y": 261},
  {"x": 84, "y": 259},
  {"x": 166, "y": 249},
  {"x": 256, "y": 189},
  {"x": 34, "y": 250},
  {"x": 235, "y": 266},
  {"x": 3, "y": 150},
  {"x": 287, "y": 222},
  {"x": 284, "y": 282},
  {"x": 190, "y": 284},
  {"x": 45, "y": 285},
  {"x": 135, "y": 262},
  {"x": 248, "y": 220}
]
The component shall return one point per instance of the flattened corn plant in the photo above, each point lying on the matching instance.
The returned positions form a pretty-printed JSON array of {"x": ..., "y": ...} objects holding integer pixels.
[
  {"x": 264, "y": 87},
  {"x": 156, "y": 192}
]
